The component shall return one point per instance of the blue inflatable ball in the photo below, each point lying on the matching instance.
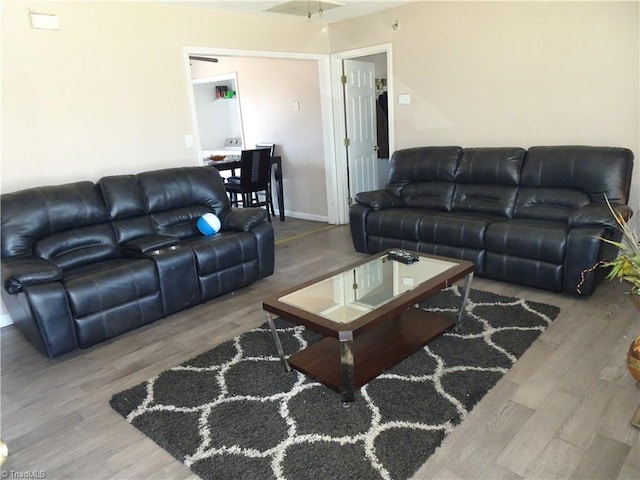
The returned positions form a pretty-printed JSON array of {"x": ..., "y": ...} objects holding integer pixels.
[{"x": 208, "y": 224}]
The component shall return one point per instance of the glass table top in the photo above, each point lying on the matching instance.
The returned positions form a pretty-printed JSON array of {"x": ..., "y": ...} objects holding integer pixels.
[{"x": 348, "y": 295}]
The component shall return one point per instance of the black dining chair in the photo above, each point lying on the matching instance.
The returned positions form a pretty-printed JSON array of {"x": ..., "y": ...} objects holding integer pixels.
[
  {"x": 270, "y": 146},
  {"x": 255, "y": 178},
  {"x": 235, "y": 179},
  {"x": 272, "y": 152}
]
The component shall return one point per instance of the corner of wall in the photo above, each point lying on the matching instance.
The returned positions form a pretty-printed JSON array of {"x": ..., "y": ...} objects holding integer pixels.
[{"x": 5, "y": 320}]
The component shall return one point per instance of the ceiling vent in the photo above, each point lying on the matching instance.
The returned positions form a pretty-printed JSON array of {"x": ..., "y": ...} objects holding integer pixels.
[{"x": 302, "y": 8}]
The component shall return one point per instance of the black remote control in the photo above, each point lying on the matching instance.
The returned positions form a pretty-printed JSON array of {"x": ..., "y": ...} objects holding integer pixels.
[{"x": 402, "y": 256}]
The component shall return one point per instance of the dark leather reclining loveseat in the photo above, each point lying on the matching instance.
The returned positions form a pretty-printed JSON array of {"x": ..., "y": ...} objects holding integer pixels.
[
  {"x": 84, "y": 262},
  {"x": 530, "y": 217}
]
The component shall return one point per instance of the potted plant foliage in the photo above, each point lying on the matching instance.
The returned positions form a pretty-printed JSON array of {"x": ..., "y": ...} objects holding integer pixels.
[{"x": 626, "y": 268}]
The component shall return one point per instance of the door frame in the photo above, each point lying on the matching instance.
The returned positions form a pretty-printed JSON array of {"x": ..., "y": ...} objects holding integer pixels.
[
  {"x": 326, "y": 107},
  {"x": 339, "y": 168}
]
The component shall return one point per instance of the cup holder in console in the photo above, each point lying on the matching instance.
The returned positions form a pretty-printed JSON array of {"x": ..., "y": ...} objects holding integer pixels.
[{"x": 165, "y": 250}]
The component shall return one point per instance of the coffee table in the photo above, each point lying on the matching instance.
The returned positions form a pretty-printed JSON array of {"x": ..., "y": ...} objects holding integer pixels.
[{"x": 369, "y": 317}]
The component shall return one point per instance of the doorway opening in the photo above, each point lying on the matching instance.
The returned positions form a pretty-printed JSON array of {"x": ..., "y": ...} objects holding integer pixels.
[
  {"x": 285, "y": 99},
  {"x": 364, "y": 140}
]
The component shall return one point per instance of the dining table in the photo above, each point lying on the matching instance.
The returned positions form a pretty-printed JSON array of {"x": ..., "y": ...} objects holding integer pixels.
[{"x": 232, "y": 162}]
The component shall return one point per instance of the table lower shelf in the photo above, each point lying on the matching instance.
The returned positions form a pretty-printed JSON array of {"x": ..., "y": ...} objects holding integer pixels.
[{"x": 375, "y": 351}]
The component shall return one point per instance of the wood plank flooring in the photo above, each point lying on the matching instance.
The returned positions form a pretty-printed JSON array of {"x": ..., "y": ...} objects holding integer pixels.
[{"x": 563, "y": 411}]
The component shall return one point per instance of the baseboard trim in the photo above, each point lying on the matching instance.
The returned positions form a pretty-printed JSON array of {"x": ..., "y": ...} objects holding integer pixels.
[
  {"x": 5, "y": 320},
  {"x": 304, "y": 216}
]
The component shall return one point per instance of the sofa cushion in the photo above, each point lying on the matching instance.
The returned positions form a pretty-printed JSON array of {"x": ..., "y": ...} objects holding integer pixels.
[
  {"x": 412, "y": 166},
  {"x": 177, "y": 197},
  {"x": 523, "y": 271},
  {"x": 594, "y": 170},
  {"x": 428, "y": 195},
  {"x": 453, "y": 230},
  {"x": 127, "y": 207},
  {"x": 556, "y": 204},
  {"x": 225, "y": 262},
  {"x": 484, "y": 199},
  {"x": 107, "y": 285},
  {"x": 487, "y": 179},
  {"x": 424, "y": 164},
  {"x": 492, "y": 166},
  {"x": 78, "y": 246},
  {"x": 179, "y": 222},
  {"x": 173, "y": 188},
  {"x": 123, "y": 196},
  {"x": 222, "y": 251},
  {"x": 396, "y": 223},
  {"x": 535, "y": 239},
  {"x": 33, "y": 214}
]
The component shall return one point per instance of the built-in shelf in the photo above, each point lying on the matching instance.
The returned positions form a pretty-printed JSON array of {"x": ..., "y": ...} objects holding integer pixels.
[{"x": 218, "y": 118}]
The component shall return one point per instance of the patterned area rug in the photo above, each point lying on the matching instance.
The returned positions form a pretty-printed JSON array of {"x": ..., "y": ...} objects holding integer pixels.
[{"x": 234, "y": 413}]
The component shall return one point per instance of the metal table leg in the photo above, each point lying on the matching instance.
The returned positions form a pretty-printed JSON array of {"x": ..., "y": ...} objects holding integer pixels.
[
  {"x": 463, "y": 303},
  {"x": 276, "y": 338},
  {"x": 346, "y": 365}
]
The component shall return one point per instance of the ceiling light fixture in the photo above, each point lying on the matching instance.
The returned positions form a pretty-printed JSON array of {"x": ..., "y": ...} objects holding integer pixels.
[{"x": 320, "y": 10}]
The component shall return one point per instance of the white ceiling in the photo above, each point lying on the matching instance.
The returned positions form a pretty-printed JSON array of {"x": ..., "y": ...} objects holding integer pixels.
[{"x": 333, "y": 10}]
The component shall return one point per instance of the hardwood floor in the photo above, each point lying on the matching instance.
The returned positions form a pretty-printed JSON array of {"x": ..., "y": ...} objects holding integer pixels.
[{"x": 562, "y": 411}]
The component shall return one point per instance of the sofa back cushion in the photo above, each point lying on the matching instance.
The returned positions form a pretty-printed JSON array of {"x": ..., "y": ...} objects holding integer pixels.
[
  {"x": 556, "y": 180},
  {"x": 77, "y": 247},
  {"x": 65, "y": 224},
  {"x": 487, "y": 180},
  {"x": 424, "y": 176},
  {"x": 596, "y": 171},
  {"x": 549, "y": 203},
  {"x": 176, "y": 197},
  {"x": 127, "y": 206}
]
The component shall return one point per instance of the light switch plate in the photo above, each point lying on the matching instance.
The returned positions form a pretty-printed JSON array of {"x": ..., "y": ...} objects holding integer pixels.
[
  {"x": 44, "y": 21},
  {"x": 404, "y": 99}
]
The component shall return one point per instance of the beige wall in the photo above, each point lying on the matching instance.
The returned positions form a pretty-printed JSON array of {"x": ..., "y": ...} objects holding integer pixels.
[
  {"x": 268, "y": 88},
  {"x": 108, "y": 92},
  {"x": 511, "y": 73}
]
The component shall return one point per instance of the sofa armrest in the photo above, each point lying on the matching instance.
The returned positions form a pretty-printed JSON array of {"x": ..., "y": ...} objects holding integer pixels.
[
  {"x": 379, "y": 199},
  {"x": 150, "y": 243},
  {"x": 598, "y": 214},
  {"x": 242, "y": 219},
  {"x": 17, "y": 272}
]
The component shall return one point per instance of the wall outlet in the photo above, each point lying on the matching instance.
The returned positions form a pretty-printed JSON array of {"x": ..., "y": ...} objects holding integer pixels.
[{"x": 188, "y": 141}]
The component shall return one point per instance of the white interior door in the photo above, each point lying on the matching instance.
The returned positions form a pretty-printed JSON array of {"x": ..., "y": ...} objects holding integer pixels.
[{"x": 360, "y": 112}]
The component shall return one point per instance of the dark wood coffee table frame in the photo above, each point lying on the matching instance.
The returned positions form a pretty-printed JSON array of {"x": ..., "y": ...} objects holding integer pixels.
[{"x": 353, "y": 354}]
